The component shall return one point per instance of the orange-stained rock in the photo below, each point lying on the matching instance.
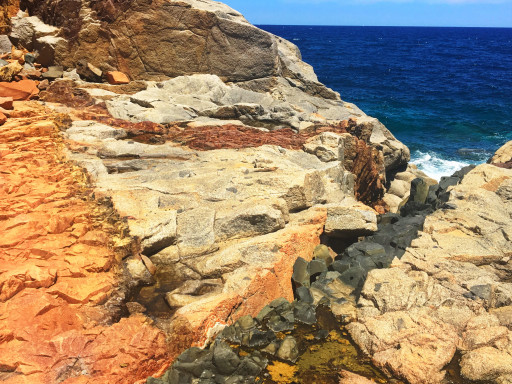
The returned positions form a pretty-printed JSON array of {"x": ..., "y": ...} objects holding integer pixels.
[
  {"x": 6, "y": 102},
  {"x": 21, "y": 90},
  {"x": 3, "y": 118},
  {"x": 249, "y": 289},
  {"x": 116, "y": 77},
  {"x": 57, "y": 269}
]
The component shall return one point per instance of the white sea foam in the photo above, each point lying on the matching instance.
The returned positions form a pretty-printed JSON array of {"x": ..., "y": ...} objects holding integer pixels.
[{"x": 434, "y": 165}]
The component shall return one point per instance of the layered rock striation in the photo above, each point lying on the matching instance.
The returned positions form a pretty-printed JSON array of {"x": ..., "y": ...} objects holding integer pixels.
[
  {"x": 227, "y": 162},
  {"x": 221, "y": 66}
]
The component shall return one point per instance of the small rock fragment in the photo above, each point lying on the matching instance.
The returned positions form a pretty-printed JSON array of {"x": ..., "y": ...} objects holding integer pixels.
[
  {"x": 54, "y": 72},
  {"x": 6, "y": 102},
  {"x": 89, "y": 72},
  {"x": 288, "y": 349},
  {"x": 8, "y": 71},
  {"x": 116, "y": 77}
]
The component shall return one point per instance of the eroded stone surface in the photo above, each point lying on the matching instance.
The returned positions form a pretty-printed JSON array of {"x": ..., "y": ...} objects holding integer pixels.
[
  {"x": 58, "y": 274},
  {"x": 435, "y": 300}
]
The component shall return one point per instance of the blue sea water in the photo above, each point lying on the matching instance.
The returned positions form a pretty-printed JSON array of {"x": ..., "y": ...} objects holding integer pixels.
[{"x": 445, "y": 92}]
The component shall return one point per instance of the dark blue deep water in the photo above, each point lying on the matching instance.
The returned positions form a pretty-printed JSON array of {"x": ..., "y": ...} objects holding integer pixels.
[{"x": 445, "y": 92}]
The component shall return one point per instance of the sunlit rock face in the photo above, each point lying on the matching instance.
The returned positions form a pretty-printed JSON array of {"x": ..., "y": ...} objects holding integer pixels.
[{"x": 60, "y": 286}]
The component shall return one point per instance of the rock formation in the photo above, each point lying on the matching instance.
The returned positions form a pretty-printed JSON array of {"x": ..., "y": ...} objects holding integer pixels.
[
  {"x": 272, "y": 87},
  {"x": 212, "y": 178},
  {"x": 450, "y": 292},
  {"x": 59, "y": 281}
]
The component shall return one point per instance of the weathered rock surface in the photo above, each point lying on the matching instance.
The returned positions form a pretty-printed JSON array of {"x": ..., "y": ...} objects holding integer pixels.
[
  {"x": 398, "y": 191},
  {"x": 58, "y": 273},
  {"x": 197, "y": 36},
  {"x": 8, "y": 8},
  {"x": 503, "y": 156},
  {"x": 240, "y": 224},
  {"x": 206, "y": 45},
  {"x": 441, "y": 296}
]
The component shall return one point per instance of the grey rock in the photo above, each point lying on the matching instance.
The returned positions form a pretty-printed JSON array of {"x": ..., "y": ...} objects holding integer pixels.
[
  {"x": 277, "y": 324},
  {"x": 340, "y": 265},
  {"x": 30, "y": 59},
  {"x": 225, "y": 360},
  {"x": 300, "y": 272},
  {"x": 354, "y": 277},
  {"x": 5, "y": 44},
  {"x": 322, "y": 252},
  {"x": 260, "y": 339},
  {"x": 304, "y": 295},
  {"x": 288, "y": 349},
  {"x": 419, "y": 191},
  {"x": 54, "y": 72},
  {"x": 304, "y": 312},
  {"x": 316, "y": 266},
  {"x": 265, "y": 312},
  {"x": 252, "y": 365},
  {"x": 246, "y": 323}
]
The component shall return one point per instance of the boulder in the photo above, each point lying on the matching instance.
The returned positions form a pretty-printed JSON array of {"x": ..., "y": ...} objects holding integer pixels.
[
  {"x": 503, "y": 155},
  {"x": 486, "y": 363},
  {"x": 350, "y": 221},
  {"x": 211, "y": 38}
]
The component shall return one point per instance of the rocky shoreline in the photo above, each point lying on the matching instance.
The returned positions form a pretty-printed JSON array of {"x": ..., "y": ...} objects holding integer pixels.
[{"x": 251, "y": 212}]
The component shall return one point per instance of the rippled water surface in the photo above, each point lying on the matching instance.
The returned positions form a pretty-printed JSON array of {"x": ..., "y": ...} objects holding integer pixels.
[{"x": 445, "y": 92}]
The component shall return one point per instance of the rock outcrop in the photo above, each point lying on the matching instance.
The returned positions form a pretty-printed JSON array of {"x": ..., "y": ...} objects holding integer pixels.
[
  {"x": 503, "y": 157},
  {"x": 226, "y": 163},
  {"x": 450, "y": 291},
  {"x": 231, "y": 220},
  {"x": 60, "y": 283},
  {"x": 245, "y": 73}
]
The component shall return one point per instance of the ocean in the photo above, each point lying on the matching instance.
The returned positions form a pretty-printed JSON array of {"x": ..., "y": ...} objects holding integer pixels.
[{"x": 444, "y": 92}]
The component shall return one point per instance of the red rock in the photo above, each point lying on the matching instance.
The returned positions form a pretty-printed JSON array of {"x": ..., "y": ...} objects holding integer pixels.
[
  {"x": 21, "y": 90},
  {"x": 3, "y": 118},
  {"x": 116, "y": 77},
  {"x": 6, "y": 102},
  {"x": 56, "y": 271}
]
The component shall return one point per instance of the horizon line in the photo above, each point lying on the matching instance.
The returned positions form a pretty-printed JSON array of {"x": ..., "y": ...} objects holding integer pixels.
[{"x": 372, "y": 26}]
